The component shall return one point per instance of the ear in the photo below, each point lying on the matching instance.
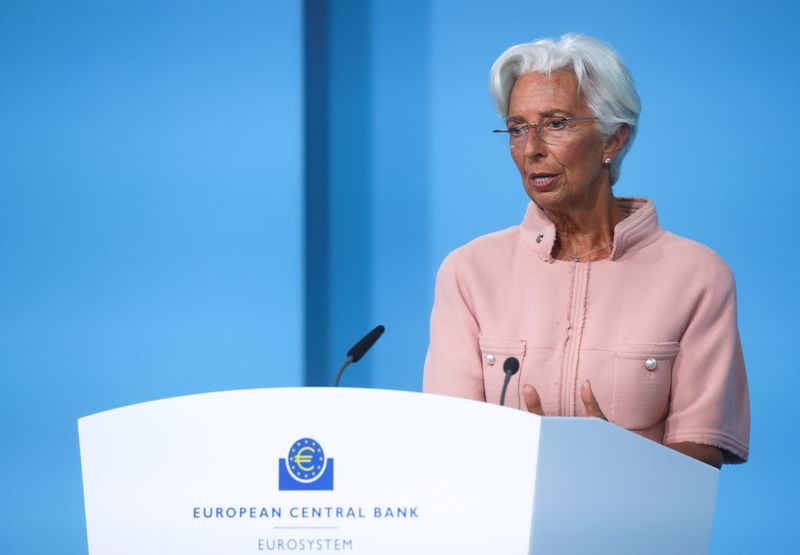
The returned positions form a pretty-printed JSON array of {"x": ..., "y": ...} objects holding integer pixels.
[{"x": 615, "y": 143}]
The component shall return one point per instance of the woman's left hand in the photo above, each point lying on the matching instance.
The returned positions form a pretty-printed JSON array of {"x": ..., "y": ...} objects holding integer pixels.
[{"x": 590, "y": 402}]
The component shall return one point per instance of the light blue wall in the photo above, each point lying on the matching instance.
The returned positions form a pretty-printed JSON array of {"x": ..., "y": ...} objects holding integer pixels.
[
  {"x": 150, "y": 225},
  {"x": 152, "y": 211},
  {"x": 402, "y": 277}
]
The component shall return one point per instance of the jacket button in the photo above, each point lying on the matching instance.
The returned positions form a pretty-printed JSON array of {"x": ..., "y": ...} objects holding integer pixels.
[
  {"x": 489, "y": 358},
  {"x": 651, "y": 364}
]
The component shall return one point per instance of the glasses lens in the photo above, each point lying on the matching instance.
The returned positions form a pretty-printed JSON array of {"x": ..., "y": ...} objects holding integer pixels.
[
  {"x": 554, "y": 130},
  {"x": 546, "y": 131},
  {"x": 517, "y": 134}
]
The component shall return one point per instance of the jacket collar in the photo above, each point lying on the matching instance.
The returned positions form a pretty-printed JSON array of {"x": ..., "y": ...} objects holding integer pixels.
[{"x": 635, "y": 232}]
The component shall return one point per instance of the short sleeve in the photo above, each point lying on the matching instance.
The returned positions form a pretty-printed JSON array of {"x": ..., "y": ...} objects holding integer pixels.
[
  {"x": 709, "y": 401},
  {"x": 453, "y": 363}
]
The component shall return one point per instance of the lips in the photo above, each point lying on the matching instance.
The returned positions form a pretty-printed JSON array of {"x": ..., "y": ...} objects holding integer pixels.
[{"x": 542, "y": 181}]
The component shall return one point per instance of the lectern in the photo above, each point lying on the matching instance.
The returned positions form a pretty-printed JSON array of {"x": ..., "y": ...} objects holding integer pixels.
[{"x": 380, "y": 472}]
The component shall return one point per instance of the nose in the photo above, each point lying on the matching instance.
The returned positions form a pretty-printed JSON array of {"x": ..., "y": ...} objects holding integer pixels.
[{"x": 533, "y": 147}]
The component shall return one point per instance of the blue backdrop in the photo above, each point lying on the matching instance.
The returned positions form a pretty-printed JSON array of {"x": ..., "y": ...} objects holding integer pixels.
[
  {"x": 151, "y": 227},
  {"x": 197, "y": 197}
]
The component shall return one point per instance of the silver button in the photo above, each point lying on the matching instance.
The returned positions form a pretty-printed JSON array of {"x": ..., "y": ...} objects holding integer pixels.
[
  {"x": 489, "y": 358},
  {"x": 651, "y": 364},
  {"x": 539, "y": 238}
]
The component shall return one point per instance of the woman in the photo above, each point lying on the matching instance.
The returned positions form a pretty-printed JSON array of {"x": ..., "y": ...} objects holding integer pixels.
[{"x": 609, "y": 315}]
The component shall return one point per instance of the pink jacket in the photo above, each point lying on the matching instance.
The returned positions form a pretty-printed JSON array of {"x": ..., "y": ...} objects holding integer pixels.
[{"x": 653, "y": 327}]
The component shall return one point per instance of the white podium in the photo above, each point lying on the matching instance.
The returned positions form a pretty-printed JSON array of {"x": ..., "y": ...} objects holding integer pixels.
[{"x": 380, "y": 472}]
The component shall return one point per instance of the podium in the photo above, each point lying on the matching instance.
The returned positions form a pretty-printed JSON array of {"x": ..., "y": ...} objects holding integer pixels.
[{"x": 380, "y": 472}]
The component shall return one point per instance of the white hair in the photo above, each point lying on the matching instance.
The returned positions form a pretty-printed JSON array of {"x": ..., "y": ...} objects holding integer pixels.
[{"x": 603, "y": 79}]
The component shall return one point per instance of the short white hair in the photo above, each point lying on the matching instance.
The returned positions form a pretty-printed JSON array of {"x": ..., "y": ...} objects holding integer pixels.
[{"x": 603, "y": 79}]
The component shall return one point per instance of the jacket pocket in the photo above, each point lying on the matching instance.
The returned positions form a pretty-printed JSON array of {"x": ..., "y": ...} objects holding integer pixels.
[
  {"x": 642, "y": 383},
  {"x": 494, "y": 352}
]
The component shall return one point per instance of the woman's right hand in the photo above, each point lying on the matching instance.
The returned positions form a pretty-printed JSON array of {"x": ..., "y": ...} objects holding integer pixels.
[{"x": 532, "y": 400}]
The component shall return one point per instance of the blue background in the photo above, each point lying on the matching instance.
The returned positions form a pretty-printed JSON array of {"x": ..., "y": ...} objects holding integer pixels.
[{"x": 197, "y": 196}]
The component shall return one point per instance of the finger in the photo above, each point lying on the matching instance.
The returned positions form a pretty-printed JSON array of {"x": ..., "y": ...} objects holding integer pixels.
[
  {"x": 590, "y": 402},
  {"x": 532, "y": 400}
]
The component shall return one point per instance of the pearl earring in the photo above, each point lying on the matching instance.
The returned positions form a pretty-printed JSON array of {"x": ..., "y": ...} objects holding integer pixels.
[{"x": 607, "y": 162}]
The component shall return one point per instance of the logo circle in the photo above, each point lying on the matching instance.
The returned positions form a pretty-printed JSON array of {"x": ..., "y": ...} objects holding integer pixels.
[{"x": 306, "y": 460}]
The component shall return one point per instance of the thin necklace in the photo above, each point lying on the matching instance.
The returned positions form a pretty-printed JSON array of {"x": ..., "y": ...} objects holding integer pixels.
[{"x": 578, "y": 258}]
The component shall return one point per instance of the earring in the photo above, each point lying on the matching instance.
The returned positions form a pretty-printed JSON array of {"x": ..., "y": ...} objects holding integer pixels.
[{"x": 607, "y": 162}]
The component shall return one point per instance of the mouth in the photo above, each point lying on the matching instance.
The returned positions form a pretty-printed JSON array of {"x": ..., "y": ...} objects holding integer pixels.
[{"x": 542, "y": 181}]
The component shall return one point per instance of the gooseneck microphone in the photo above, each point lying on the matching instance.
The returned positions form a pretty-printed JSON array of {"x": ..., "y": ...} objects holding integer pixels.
[
  {"x": 510, "y": 367},
  {"x": 359, "y": 350}
]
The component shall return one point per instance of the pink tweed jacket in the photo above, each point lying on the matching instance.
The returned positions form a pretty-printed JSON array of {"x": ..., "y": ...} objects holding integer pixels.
[{"x": 653, "y": 327}]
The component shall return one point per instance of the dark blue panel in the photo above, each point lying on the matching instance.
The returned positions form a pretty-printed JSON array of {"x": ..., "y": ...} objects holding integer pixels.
[
  {"x": 338, "y": 187},
  {"x": 317, "y": 191}
]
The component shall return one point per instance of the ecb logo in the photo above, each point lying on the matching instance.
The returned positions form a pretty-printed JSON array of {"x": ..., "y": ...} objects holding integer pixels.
[{"x": 305, "y": 467}]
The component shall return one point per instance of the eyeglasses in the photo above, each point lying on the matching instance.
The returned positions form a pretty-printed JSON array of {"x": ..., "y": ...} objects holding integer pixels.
[{"x": 551, "y": 130}]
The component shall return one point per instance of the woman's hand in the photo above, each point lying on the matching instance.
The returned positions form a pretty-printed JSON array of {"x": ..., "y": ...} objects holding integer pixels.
[{"x": 534, "y": 403}]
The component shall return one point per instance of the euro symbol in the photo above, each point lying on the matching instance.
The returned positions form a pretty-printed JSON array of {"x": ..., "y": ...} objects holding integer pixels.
[{"x": 301, "y": 459}]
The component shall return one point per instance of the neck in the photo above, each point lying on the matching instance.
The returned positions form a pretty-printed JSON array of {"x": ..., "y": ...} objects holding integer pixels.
[{"x": 587, "y": 233}]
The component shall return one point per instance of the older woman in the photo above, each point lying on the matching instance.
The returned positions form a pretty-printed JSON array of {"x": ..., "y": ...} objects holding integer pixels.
[{"x": 608, "y": 314}]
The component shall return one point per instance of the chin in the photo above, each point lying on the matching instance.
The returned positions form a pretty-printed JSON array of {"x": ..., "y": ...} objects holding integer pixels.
[{"x": 545, "y": 199}]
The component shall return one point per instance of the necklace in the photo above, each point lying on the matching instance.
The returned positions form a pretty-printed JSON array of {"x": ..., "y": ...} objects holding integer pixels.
[
  {"x": 575, "y": 258},
  {"x": 578, "y": 258}
]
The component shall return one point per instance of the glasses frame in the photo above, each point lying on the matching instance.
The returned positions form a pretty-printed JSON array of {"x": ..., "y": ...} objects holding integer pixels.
[{"x": 525, "y": 127}]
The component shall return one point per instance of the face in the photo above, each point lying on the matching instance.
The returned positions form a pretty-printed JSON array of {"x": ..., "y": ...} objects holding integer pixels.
[{"x": 569, "y": 176}]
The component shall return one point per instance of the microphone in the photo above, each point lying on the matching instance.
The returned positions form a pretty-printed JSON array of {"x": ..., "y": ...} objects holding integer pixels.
[
  {"x": 359, "y": 350},
  {"x": 510, "y": 367}
]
